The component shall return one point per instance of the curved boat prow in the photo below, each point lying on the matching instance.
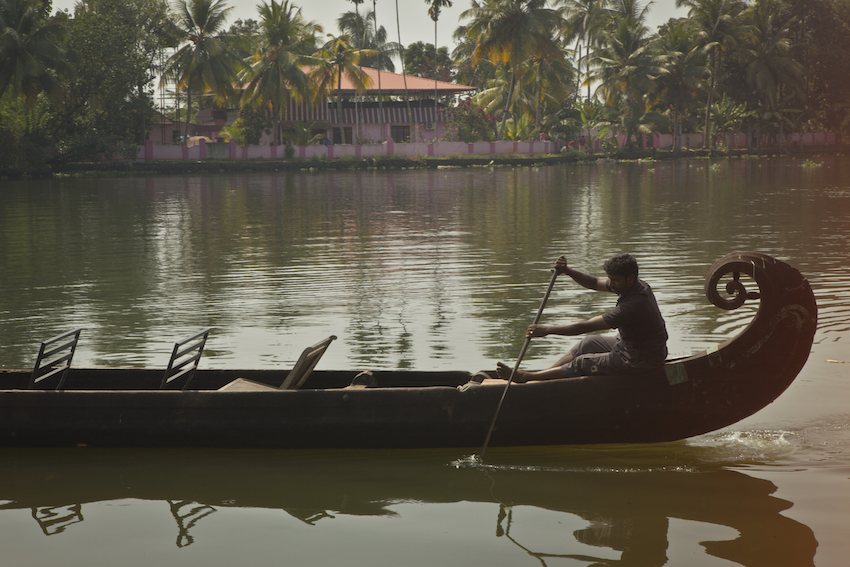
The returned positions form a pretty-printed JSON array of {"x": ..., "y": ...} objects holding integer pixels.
[{"x": 747, "y": 372}]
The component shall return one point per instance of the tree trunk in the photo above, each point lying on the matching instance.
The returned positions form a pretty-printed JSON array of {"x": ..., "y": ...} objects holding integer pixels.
[
  {"x": 507, "y": 107},
  {"x": 538, "y": 98},
  {"x": 276, "y": 120},
  {"x": 339, "y": 109},
  {"x": 188, "y": 113},
  {"x": 380, "y": 95},
  {"x": 435, "y": 77},
  {"x": 578, "y": 69},
  {"x": 707, "y": 135},
  {"x": 679, "y": 133},
  {"x": 358, "y": 132},
  {"x": 404, "y": 75}
]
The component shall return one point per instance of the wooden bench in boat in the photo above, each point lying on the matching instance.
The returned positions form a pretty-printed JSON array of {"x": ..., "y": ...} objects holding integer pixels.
[
  {"x": 296, "y": 377},
  {"x": 54, "y": 359},
  {"x": 184, "y": 359}
]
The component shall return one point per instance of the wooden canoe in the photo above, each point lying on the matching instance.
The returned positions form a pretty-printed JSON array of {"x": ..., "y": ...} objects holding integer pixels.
[{"x": 407, "y": 409}]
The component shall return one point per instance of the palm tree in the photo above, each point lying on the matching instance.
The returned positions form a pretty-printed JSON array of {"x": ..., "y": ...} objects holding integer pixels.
[
  {"x": 403, "y": 73},
  {"x": 365, "y": 34},
  {"x": 771, "y": 71},
  {"x": 337, "y": 57},
  {"x": 510, "y": 33},
  {"x": 476, "y": 75},
  {"x": 206, "y": 61},
  {"x": 494, "y": 95},
  {"x": 434, "y": 12},
  {"x": 627, "y": 68},
  {"x": 275, "y": 74},
  {"x": 380, "y": 94},
  {"x": 718, "y": 26},
  {"x": 685, "y": 73},
  {"x": 358, "y": 38},
  {"x": 583, "y": 20},
  {"x": 551, "y": 84},
  {"x": 32, "y": 54},
  {"x": 630, "y": 10},
  {"x": 728, "y": 116},
  {"x": 767, "y": 52}
]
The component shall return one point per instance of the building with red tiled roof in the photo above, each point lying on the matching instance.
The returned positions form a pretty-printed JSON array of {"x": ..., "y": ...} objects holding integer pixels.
[{"x": 372, "y": 119}]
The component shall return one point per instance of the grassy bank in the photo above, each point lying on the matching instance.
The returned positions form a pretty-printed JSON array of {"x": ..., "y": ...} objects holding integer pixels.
[{"x": 397, "y": 163}]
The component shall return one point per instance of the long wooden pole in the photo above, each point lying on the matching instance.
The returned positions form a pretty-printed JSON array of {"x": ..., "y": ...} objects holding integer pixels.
[{"x": 518, "y": 361}]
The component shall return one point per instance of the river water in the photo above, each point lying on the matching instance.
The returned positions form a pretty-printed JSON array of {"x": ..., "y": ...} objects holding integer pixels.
[{"x": 439, "y": 269}]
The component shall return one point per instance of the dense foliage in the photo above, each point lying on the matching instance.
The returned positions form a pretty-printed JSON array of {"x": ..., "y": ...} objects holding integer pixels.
[{"x": 83, "y": 86}]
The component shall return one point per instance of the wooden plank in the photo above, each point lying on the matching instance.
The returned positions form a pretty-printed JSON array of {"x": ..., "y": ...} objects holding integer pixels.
[{"x": 243, "y": 385}]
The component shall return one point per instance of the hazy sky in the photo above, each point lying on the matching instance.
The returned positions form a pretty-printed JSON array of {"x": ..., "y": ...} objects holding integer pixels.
[
  {"x": 416, "y": 25},
  {"x": 413, "y": 16}
]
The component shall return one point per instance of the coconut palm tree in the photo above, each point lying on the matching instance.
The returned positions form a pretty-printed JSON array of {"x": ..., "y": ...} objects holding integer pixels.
[
  {"x": 336, "y": 58},
  {"x": 365, "y": 34},
  {"x": 476, "y": 75},
  {"x": 205, "y": 62},
  {"x": 583, "y": 19},
  {"x": 718, "y": 27},
  {"x": 435, "y": 6},
  {"x": 510, "y": 33},
  {"x": 275, "y": 73},
  {"x": 627, "y": 68},
  {"x": 380, "y": 94},
  {"x": 767, "y": 52},
  {"x": 550, "y": 84},
  {"x": 32, "y": 53},
  {"x": 493, "y": 97},
  {"x": 771, "y": 71},
  {"x": 728, "y": 117},
  {"x": 358, "y": 38},
  {"x": 631, "y": 10},
  {"x": 403, "y": 73},
  {"x": 686, "y": 73}
]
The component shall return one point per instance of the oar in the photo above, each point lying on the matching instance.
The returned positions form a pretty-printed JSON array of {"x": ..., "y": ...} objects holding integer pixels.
[{"x": 518, "y": 361}]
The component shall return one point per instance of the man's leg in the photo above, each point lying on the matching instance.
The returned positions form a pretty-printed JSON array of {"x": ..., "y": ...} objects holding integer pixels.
[{"x": 592, "y": 344}]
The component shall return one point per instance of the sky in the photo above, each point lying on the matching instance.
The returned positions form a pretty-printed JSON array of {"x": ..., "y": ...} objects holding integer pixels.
[{"x": 413, "y": 16}]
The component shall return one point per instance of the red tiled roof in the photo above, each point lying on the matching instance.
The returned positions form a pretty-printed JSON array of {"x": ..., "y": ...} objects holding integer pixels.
[{"x": 393, "y": 84}]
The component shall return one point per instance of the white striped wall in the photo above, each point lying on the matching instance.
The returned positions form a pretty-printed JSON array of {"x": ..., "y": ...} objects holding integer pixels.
[{"x": 305, "y": 113}]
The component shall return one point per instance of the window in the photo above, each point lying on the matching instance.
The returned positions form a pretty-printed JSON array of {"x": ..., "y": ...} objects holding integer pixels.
[
  {"x": 400, "y": 134},
  {"x": 338, "y": 139}
]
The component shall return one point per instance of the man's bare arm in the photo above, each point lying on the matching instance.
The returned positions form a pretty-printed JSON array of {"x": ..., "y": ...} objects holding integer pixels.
[
  {"x": 570, "y": 329},
  {"x": 582, "y": 279}
]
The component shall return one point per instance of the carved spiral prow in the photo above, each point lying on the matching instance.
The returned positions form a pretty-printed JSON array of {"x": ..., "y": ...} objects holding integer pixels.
[{"x": 773, "y": 278}]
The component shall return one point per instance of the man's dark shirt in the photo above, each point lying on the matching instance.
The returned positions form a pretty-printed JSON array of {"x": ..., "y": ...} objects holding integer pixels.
[{"x": 642, "y": 331}]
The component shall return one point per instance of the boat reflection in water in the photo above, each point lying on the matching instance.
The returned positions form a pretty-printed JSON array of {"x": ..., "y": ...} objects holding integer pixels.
[{"x": 624, "y": 498}]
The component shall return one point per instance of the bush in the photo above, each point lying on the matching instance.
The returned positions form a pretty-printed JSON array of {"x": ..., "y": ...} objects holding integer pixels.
[
  {"x": 610, "y": 146},
  {"x": 249, "y": 127},
  {"x": 471, "y": 122}
]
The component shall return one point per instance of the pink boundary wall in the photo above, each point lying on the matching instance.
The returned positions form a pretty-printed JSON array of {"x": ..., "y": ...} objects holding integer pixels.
[{"x": 156, "y": 152}]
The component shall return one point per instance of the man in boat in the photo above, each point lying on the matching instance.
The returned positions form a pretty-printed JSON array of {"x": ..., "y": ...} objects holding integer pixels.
[{"x": 639, "y": 348}]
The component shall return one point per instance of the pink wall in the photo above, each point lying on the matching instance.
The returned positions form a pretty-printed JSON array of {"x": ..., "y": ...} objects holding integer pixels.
[{"x": 152, "y": 151}]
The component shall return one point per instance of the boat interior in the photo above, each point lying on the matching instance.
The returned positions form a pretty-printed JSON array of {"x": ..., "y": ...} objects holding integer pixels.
[{"x": 53, "y": 371}]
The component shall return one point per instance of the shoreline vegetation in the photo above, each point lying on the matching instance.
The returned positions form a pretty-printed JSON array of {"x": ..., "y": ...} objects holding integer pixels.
[
  {"x": 97, "y": 83},
  {"x": 213, "y": 166}
]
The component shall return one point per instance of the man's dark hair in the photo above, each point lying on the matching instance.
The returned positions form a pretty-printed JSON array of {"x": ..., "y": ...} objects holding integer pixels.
[{"x": 621, "y": 265}]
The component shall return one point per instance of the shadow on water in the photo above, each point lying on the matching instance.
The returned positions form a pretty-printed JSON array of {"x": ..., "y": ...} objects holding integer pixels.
[{"x": 610, "y": 505}]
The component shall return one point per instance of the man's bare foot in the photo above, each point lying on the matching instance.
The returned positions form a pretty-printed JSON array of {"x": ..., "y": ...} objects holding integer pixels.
[{"x": 503, "y": 371}]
